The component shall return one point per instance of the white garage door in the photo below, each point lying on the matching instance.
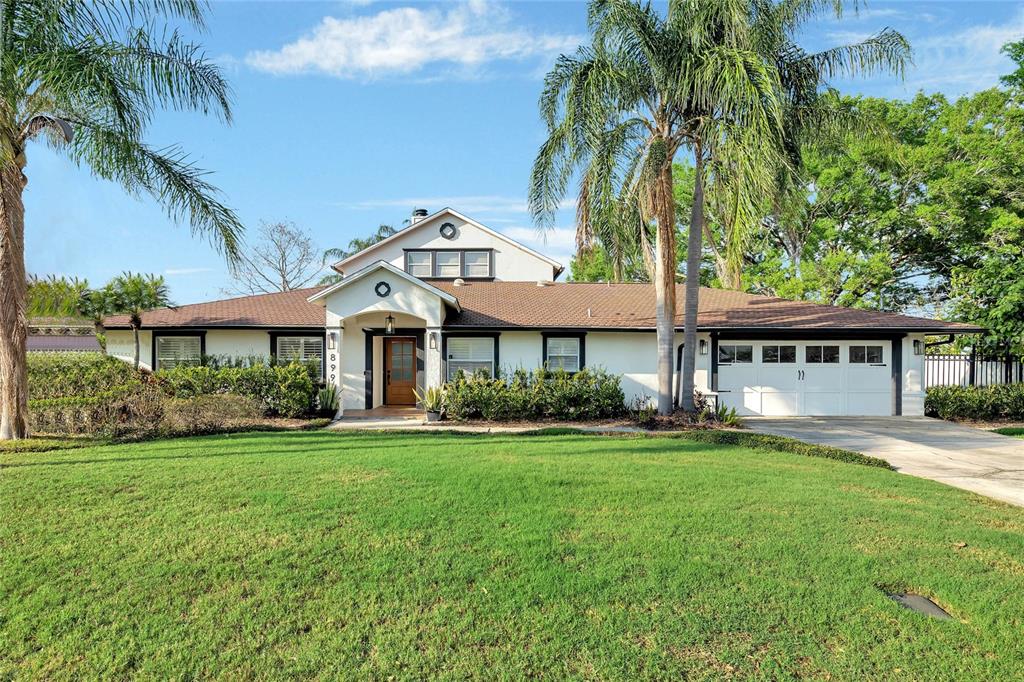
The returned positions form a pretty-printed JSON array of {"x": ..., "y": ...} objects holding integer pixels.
[{"x": 794, "y": 378}]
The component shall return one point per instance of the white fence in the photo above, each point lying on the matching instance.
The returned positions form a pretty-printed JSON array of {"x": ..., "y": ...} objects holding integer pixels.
[{"x": 967, "y": 369}]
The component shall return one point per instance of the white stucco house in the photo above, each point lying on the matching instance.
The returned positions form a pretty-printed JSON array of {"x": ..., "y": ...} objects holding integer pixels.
[{"x": 448, "y": 293}]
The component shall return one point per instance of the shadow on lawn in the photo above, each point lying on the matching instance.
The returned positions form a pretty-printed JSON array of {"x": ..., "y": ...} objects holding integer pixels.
[{"x": 297, "y": 443}]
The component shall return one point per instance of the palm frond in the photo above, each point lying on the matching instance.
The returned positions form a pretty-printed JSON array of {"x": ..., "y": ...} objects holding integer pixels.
[{"x": 166, "y": 174}]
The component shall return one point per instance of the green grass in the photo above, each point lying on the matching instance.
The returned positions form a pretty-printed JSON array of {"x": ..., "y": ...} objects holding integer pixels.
[
  {"x": 275, "y": 555},
  {"x": 1017, "y": 431}
]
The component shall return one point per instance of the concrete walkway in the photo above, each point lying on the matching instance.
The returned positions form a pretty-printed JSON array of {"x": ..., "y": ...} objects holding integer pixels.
[{"x": 961, "y": 456}]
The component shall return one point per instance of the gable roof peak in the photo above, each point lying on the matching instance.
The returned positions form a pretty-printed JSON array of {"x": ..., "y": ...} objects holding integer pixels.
[{"x": 420, "y": 222}]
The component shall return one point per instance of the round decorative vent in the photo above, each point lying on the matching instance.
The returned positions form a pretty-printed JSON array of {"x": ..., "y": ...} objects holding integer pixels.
[
  {"x": 448, "y": 231},
  {"x": 383, "y": 289}
]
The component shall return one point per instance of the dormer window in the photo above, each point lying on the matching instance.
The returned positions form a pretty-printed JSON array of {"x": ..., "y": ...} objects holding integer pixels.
[
  {"x": 419, "y": 263},
  {"x": 450, "y": 263},
  {"x": 476, "y": 264}
]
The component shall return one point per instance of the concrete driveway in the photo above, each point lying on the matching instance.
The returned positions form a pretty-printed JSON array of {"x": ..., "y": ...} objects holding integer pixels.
[{"x": 956, "y": 455}]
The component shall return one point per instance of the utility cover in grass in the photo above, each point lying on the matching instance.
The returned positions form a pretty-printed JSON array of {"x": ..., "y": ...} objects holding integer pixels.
[{"x": 916, "y": 602}]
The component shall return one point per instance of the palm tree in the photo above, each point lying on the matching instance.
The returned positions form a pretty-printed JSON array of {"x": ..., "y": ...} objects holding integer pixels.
[
  {"x": 54, "y": 296},
  {"x": 132, "y": 295},
  {"x": 333, "y": 255},
  {"x": 88, "y": 77},
  {"x": 619, "y": 110},
  {"x": 96, "y": 304},
  {"x": 714, "y": 78}
]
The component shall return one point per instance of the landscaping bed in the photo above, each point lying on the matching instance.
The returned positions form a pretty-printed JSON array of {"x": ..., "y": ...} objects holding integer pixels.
[{"x": 554, "y": 555}]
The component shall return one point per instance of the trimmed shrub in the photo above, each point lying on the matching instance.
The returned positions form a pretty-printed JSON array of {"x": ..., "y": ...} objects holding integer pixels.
[
  {"x": 285, "y": 390},
  {"x": 62, "y": 375},
  {"x": 208, "y": 413},
  {"x": 540, "y": 394},
  {"x": 976, "y": 402},
  {"x": 131, "y": 410}
]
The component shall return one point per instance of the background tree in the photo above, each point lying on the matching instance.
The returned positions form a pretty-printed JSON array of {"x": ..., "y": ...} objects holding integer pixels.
[
  {"x": 927, "y": 219},
  {"x": 282, "y": 258},
  {"x": 355, "y": 246},
  {"x": 89, "y": 76},
  {"x": 133, "y": 294}
]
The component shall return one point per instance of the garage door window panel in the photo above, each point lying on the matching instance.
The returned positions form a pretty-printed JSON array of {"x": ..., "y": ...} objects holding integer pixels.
[
  {"x": 729, "y": 354},
  {"x": 778, "y": 354},
  {"x": 824, "y": 355},
  {"x": 871, "y": 355}
]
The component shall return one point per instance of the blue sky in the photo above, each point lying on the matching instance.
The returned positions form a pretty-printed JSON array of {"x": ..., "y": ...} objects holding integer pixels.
[{"x": 350, "y": 114}]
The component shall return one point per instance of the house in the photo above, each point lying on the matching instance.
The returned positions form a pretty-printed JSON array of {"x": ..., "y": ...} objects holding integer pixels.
[
  {"x": 448, "y": 293},
  {"x": 62, "y": 335}
]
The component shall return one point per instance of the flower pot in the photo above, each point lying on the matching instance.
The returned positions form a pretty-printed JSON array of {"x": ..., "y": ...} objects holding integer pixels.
[{"x": 433, "y": 416}]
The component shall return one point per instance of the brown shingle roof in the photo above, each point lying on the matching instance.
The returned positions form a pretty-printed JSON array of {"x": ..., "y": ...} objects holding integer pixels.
[
  {"x": 592, "y": 305},
  {"x": 565, "y": 305},
  {"x": 287, "y": 309}
]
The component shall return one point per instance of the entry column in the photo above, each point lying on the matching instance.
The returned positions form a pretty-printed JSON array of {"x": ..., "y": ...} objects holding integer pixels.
[{"x": 432, "y": 361}]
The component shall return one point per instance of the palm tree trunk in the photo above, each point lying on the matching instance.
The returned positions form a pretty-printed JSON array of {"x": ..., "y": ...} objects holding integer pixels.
[
  {"x": 135, "y": 331},
  {"x": 693, "y": 258},
  {"x": 100, "y": 332},
  {"x": 13, "y": 289},
  {"x": 665, "y": 287}
]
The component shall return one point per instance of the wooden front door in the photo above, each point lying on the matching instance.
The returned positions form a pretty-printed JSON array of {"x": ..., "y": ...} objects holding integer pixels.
[{"x": 399, "y": 371}]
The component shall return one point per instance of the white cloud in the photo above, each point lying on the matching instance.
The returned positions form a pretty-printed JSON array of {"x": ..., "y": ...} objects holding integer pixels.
[
  {"x": 965, "y": 60},
  {"x": 406, "y": 40},
  {"x": 172, "y": 272}
]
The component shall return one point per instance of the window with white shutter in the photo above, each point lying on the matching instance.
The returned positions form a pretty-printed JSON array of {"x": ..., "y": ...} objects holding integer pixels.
[
  {"x": 563, "y": 353},
  {"x": 301, "y": 348},
  {"x": 172, "y": 351},
  {"x": 470, "y": 354}
]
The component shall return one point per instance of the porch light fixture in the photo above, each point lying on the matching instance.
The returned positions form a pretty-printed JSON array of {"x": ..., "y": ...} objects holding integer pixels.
[
  {"x": 332, "y": 340},
  {"x": 703, "y": 347},
  {"x": 432, "y": 342},
  {"x": 918, "y": 347},
  {"x": 389, "y": 325}
]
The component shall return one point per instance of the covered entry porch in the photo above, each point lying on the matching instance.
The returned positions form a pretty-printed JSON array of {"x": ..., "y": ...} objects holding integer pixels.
[{"x": 383, "y": 338}]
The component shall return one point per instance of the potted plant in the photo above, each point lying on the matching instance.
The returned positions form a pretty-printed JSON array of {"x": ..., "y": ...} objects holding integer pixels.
[{"x": 432, "y": 401}]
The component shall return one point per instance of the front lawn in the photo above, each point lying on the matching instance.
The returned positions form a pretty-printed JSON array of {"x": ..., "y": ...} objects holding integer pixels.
[
  {"x": 1016, "y": 431},
  {"x": 405, "y": 556}
]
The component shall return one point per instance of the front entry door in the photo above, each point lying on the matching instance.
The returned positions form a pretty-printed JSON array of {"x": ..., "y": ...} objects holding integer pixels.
[{"x": 399, "y": 371}]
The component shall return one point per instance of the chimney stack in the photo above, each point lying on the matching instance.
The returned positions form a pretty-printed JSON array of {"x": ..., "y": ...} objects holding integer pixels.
[{"x": 418, "y": 214}]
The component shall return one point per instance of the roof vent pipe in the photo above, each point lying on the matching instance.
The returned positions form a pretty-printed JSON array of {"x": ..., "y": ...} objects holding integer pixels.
[
  {"x": 418, "y": 214},
  {"x": 544, "y": 283},
  {"x": 459, "y": 282}
]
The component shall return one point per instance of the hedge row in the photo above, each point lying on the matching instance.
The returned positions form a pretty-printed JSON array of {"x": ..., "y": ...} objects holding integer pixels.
[
  {"x": 62, "y": 375},
  {"x": 139, "y": 411},
  {"x": 540, "y": 394},
  {"x": 284, "y": 390},
  {"x": 993, "y": 403}
]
